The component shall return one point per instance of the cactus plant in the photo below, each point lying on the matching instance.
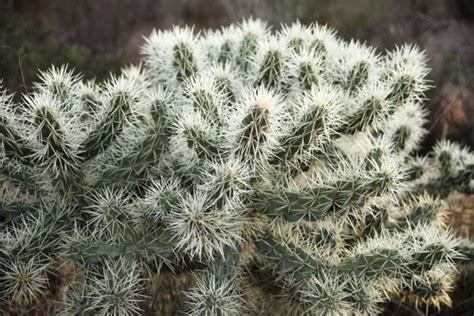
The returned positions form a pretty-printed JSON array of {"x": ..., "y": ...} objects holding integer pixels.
[{"x": 278, "y": 161}]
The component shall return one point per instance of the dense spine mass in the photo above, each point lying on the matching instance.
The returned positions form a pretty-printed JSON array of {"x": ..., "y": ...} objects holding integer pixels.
[{"x": 279, "y": 164}]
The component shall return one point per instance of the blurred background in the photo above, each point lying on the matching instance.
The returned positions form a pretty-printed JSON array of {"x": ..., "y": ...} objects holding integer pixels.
[{"x": 97, "y": 37}]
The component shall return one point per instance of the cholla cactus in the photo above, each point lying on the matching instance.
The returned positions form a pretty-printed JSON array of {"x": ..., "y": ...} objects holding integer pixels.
[{"x": 280, "y": 161}]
